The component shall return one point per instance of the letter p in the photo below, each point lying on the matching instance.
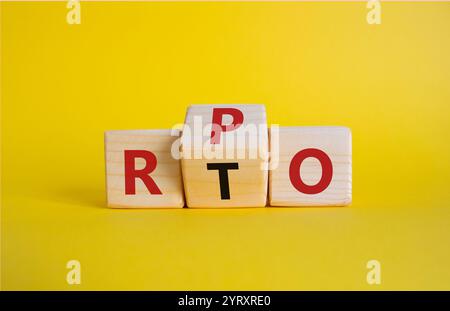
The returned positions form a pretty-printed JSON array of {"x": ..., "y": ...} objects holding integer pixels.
[{"x": 218, "y": 127}]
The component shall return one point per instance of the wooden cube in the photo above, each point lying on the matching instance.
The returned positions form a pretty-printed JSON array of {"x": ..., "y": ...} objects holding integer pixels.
[
  {"x": 141, "y": 171},
  {"x": 225, "y": 156},
  {"x": 314, "y": 166}
]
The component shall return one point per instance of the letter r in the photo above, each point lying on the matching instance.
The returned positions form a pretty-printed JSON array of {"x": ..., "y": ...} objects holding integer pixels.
[{"x": 131, "y": 173}]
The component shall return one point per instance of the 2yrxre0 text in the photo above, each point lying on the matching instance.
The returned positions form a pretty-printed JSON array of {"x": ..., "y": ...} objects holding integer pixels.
[{"x": 245, "y": 300}]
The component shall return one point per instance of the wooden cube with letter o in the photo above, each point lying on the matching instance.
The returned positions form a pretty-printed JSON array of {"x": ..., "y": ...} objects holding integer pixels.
[{"x": 310, "y": 166}]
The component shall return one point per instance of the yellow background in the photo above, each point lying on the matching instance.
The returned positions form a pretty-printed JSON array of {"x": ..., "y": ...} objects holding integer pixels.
[{"x": 139, "y": 65}]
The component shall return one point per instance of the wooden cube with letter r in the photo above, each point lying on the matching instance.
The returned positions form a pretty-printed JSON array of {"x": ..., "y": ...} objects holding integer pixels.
[
  {"x": 141, "y": 170},
  {"x": 225, "y": 156}
]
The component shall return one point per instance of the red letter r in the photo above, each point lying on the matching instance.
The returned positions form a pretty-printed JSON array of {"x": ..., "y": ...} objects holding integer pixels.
[{"x": 131, "y": 173}]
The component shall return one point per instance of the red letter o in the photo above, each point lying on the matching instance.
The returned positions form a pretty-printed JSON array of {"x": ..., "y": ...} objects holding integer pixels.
[{"x": 327, "y": 171}]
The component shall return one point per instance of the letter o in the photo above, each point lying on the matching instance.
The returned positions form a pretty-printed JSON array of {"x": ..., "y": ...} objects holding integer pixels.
[{"x": 327, "y": 171}]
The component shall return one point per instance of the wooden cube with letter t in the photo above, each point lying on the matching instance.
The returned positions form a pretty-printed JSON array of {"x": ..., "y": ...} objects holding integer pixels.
[
  {"x": 310, "y": 166},
  {"x": 225, "y": 156},
  {"x": 141, "y": 170}
]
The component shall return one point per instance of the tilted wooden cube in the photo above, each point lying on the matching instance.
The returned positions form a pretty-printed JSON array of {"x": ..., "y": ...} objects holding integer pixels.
[
  {"x": 224, "y": 156},
  {"x": 141, "y": 171},
  {"x": 314, "y": 166}
]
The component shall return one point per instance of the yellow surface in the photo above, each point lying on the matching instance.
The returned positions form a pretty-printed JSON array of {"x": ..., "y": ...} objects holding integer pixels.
[{"x": 139, "y": 65}]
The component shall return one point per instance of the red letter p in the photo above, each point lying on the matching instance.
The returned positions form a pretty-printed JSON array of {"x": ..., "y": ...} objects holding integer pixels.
[{"x": 218, "y": 127}]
